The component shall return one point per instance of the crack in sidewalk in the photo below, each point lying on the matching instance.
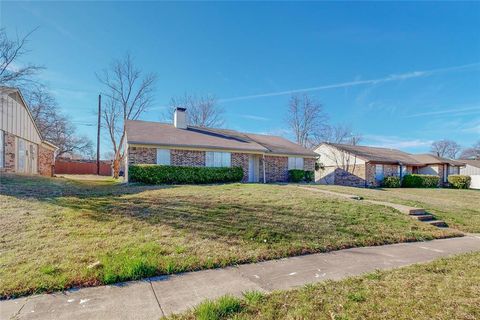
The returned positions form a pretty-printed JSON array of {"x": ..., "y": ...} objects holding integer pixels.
[{"x": 156, "y": 298}]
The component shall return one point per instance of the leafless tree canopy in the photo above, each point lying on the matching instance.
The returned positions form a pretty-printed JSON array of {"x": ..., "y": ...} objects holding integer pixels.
[
  {"x": 55, "y": 127},
  {"x": 201, "y": 111},
  {"x": 471, "y": 153},
  {"x": 445, "y": 148},
  {"x": 11, "y": 51},
  {"x": 307, "y": 120},
  {"x": 129, "y": 93},
  {"x": 341, "y": 134}
]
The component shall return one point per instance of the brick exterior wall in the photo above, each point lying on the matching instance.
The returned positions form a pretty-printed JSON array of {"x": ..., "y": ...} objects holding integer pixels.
[
  {"x": 308, "y": 164},
  {"x": 242, "y": 160},
  {"x": 45, "y": 161},
  {"x": 276, "y": 168},
  {"x": 141, "y": 155},
  {"x": 187, "y": 158},
  {"x": 353, "y": 176},
  {"x": 10, "y": 152}
]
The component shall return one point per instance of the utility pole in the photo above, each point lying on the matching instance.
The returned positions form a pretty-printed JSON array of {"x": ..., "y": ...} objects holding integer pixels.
[{"x": 98, "y": 133}]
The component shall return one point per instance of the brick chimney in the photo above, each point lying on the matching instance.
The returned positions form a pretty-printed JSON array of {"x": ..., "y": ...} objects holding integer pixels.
[{"x": 180, "y": 118}]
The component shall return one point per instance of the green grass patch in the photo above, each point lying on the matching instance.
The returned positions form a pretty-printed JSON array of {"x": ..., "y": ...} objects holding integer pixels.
[
  {"x": 219, "y": 309},
  {"x": 443, "y": 289},
  {"x": 60, "y": 233},
  {"x": 457, "y": 207}
]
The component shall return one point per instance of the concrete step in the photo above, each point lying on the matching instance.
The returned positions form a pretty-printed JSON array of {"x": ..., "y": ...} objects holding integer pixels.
[
  {"x": 416, "y": 211},
  {"x": 437, "y": 223},
  {"x": 424, "y": 217}
]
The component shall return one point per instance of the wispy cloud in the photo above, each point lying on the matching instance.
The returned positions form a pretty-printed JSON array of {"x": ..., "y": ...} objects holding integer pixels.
[
  {"x": 449, "y": 112},
  {"x": 253, "y": 117},
  {"x": 390, "y": 78},
  {"x": 396, "y": 142}
]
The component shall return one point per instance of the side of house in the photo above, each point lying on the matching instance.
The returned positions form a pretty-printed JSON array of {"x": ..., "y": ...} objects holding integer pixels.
[
  {"x": 22, "y": 149},
  {"x": 472, "y": 169},
  {"x": 362, "y": 166},
  {"x": 263, "y": 158}
]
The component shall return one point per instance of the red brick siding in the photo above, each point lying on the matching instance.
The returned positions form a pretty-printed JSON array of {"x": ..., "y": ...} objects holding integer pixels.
[
  {"x": 187, "y": 158},
  {"x": 10, "y": 153},
  {"x": 45, "y": 161},
  {"x": 353, "y": 176},
  {"x": 309, "y": 164},
  {"x": 276, "y": 169},
  {"x": 242, "y": 160},
  {"x": 141, "y": 155}
]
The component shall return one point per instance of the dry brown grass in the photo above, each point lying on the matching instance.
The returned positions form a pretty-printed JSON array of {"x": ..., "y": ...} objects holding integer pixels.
[{"x": 53, "y": 229}]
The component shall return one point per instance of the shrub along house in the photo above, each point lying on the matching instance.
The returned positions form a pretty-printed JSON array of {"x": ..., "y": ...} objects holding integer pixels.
[
  {"x": 362, "y": 166},
  {"x": 262, "y": 158},
  {"x": 22, "y": 149}
]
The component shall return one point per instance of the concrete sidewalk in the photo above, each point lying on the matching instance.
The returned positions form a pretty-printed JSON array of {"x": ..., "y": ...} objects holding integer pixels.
[{"x": 155, "y": 297}]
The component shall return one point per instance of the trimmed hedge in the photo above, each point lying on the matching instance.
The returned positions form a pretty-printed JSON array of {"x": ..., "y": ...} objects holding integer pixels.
[
  {"x": 309, "y": 176},
  {"x": 391, "y": 182},
  {"x": 458, "y": 181},
  {"x": 297, "y": 175},
  {"x": 160, "y": 174},
  {"x": 420, "y": 181}
]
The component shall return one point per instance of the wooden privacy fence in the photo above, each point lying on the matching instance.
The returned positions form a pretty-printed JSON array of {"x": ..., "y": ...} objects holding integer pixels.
[{"x": 70, "y": 166}]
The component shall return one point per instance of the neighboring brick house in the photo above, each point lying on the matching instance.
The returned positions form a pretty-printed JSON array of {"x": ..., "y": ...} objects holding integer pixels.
[
  {"x": 22, "y": 149},
  {"x": 362, "y": 166},
  {"x": 263, "y": 158}
]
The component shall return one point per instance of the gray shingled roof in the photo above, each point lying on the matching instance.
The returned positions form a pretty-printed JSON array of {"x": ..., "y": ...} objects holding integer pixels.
[
  {"x": 394, "y": 156},
  {"x": 164, "y": 134},
  {"x": 473, "y": 163}
]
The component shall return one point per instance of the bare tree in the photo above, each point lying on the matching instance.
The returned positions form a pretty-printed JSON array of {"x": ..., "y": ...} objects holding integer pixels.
[
  {"x": 129, "y": 93},
  {"x": 471, "y": 153},
  {"x": 341, "y": 134},
  {"x": 11, "y": 73},
  {"x": 445, "y": 148},
  {"x": 307, "y": 120},
  {"x": 201, "y": 111},
  {"x": 54, "y": 126}
]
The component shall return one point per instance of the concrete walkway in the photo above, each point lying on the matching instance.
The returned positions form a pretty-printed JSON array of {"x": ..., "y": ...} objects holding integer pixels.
[
  {"x": 155, "y": 297},
  {"x": 417, "y": 213}
]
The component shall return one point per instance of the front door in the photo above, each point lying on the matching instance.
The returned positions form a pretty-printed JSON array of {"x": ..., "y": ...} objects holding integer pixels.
[
  {"x": 379, "y": 172},
  {"x": 253, "y": 164}
]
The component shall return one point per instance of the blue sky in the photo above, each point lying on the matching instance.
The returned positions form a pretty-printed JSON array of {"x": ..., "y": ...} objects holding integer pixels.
[{"x": 401, "y": 74}]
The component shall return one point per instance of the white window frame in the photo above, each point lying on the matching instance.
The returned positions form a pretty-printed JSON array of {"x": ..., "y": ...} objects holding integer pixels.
[
  {"x": 218, "y": 159},
  {"x": 2, "y": 149},
  {"x": 295, "y": 163},
  {"x": 163, "y": 157}
]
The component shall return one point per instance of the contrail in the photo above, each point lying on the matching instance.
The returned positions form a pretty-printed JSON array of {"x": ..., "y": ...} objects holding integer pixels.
[{"x": 392, "y": 77}]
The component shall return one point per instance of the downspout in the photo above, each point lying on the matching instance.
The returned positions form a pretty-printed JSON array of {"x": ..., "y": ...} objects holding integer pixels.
[{"x": 264, "y": 179}]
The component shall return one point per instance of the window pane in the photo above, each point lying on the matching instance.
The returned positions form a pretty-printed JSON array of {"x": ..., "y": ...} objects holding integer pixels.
[
  {"x": 163, "y": 156},
  {"x": 299, "y": 163},
  {"x": 209, "y": 159},
  {"x": 226, "y": 159}
]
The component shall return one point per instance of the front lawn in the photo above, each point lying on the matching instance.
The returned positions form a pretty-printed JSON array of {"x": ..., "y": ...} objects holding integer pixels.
[
  {"x": 445, "y": 289},
  {"x": 460, "y": 209},
  {"x": 58, "y": 233}
]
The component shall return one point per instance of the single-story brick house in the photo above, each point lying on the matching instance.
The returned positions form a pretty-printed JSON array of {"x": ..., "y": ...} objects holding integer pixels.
[
  {"x": 362, "y": 166},
  {"x": 263, "y": 158},
  {"x": 22, "y": 149}
]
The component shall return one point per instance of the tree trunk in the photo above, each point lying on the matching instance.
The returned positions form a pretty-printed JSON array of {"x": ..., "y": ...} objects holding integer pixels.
[{"x": 116, "y": 168}]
